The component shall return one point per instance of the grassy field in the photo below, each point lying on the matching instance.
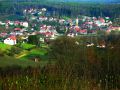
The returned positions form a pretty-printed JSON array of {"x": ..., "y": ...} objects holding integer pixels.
[
  {"x": 26, "y": 46},
  {"x": 4, "y": 47},
  {"x": 25, "y": 58},
  {"x": 10, "y": 61}
]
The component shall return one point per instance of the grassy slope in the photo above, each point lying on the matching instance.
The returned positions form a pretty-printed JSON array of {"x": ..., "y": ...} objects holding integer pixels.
[
  {"x": 22, "y": 59},
  {"x": 4, "y": 47},
  {"x": 10, "y": 61}
]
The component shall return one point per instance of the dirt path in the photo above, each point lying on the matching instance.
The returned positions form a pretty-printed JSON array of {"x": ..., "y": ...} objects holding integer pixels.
[{"x": 21, "y": 56}]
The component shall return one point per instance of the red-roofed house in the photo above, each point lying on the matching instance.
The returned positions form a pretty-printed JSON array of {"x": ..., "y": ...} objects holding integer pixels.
[
  {"x": 10, "y": 40},
  {"x": 77, "y": 28},
  {"x": 17, "y": 29},
  {"x": 16, "y": 23},
  {"x": 84, "y": 31},
  {"x": 3, "y": 34},
  {"x": 48, "y": 34},
  {"x": 102, "y": 20},
  {"x": 8, "y": 21}
]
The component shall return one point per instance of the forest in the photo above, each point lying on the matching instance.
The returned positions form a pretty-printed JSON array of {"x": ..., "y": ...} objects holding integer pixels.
[{"x": 63, "y": 8}]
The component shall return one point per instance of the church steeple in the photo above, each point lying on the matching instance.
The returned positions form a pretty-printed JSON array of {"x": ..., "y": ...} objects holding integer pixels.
[{"x": 77, "y": 21}]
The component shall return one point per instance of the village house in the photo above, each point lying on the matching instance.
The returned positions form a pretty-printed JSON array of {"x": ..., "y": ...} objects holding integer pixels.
[
  {"x": 42, "y": 18},
  {"x": 111, "y": 28},
  {"x": 3, "y": 34},
  {"x": 71, "y": 35},
  {"x": 84, "y": 31},
  {"x": 10, "y": 40},
  {"x": 16, "y": 23},
  {"x": 89, "y": 44},
  {"x": 2, "y": 23},
  {"x": 24, "y": 24},
  {"x": 18, "y": 31}
]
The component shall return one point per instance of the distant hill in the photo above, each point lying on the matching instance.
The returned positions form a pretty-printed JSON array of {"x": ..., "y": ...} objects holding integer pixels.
[
  {"x": 83, "y": 1},
  {"x": 97, "y": 1},
  {"x": 86, "y": 1}
]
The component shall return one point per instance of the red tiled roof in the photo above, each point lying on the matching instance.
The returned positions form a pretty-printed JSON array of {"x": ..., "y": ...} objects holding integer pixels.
[
  {"x": 12, "y": 37},
  {"x": 7, "y": 21},
  {"x": 77, "y": 29},
  {"x": 16, "y": 22},
  {"x": 102, "y": 20},
  {"x": 17, "y": 29},
  {"x": 83, "y": 31},
  {"x": 3, "y": 34},
  {"x": 48, "y": 33}
]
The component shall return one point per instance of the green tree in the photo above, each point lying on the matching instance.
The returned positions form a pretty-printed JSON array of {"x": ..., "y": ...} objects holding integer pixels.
[{"x": 34, "y": 39}]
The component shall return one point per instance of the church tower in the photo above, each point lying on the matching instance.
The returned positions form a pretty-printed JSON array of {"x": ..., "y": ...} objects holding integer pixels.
[{"x": 77, "y": 21}]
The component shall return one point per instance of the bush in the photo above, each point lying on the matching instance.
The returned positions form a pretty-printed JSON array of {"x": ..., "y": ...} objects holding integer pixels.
[
  {"x": 65, "y": 48},
  {"x": 33, "y": 39},
  {"x": 14, "y": 50}
]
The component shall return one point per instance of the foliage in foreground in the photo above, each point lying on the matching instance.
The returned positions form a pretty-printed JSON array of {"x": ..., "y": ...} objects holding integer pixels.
[{"x": 91, "y": 68}]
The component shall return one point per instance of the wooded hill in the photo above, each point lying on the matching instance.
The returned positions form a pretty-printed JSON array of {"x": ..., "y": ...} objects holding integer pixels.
[{"x": 64, "y": 8}]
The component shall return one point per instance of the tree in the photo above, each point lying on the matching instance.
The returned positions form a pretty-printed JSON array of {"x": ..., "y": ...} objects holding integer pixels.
[{"x": 34, "y": 39}]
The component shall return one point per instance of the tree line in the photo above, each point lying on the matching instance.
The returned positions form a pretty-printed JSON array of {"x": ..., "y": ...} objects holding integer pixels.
[{"x": 64, "y": 8}]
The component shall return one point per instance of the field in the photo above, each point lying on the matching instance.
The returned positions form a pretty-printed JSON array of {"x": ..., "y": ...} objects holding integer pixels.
[
  {"x": 4, "y": 47},
  {"x": 25, "y": 58},
  {"x": 9, "y": 61}
]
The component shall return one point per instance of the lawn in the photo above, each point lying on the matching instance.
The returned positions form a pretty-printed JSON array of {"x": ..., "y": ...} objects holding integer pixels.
[
  {"x": 38, "y": 51},
  {"x": 4, "y": 47},
  {"x": 26, "y": 46}
]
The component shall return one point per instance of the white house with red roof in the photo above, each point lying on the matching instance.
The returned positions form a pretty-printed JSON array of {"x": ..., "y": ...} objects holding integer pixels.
[
  {"x": 24, "y": 24},
  {"x": 18, "y": 31},
  {"x": 10, "y": 40},
  {"x": 16, "y": 23}
]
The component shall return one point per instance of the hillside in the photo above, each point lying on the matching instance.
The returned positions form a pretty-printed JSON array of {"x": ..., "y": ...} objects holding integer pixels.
[
  {"x": 85, "y": 1},
  {"x": 97, "y": 1}
]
